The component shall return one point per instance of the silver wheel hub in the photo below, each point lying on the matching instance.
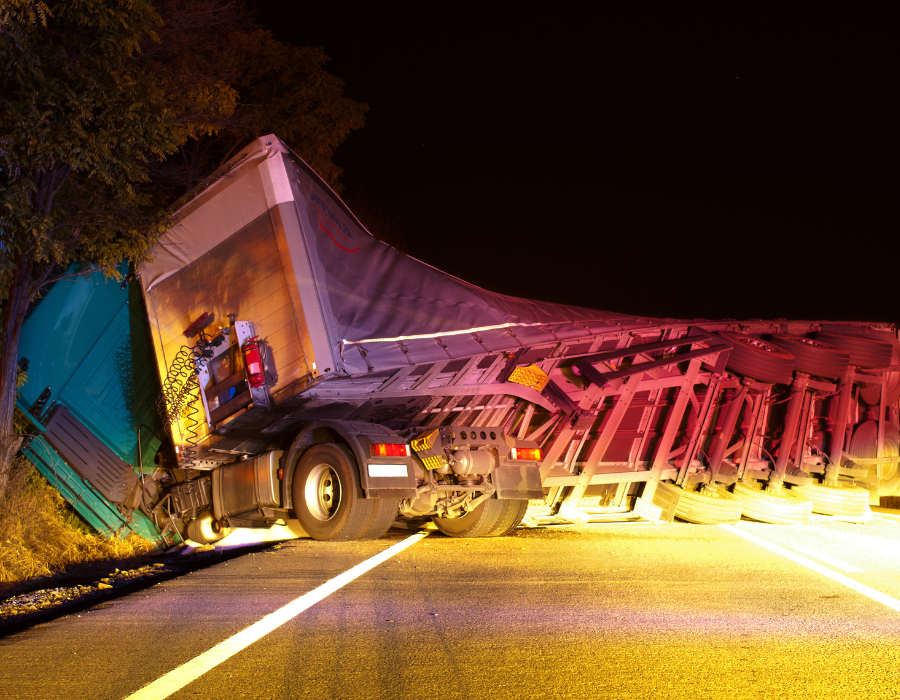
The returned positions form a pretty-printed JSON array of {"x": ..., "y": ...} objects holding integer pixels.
[{"x": 322, "y": 492}]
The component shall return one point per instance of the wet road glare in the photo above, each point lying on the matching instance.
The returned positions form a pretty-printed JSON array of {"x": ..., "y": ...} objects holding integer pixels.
[{"x": 632, "y": 610}]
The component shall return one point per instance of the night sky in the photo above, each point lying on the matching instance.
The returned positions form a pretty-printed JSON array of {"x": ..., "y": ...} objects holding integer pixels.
[{"x": 667, "y": 161}]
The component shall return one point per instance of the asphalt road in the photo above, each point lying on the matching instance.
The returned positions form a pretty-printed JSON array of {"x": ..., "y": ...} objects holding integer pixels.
[{"x": 598, "y": 611}]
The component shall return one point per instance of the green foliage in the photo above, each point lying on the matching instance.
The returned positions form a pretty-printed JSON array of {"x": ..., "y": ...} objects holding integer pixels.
[
  {"x": 81, "y": 115},
  {"x": 286, "y": 90},
  {"x": 17, "y": 13},
  {"x": 281, "y": 89},
  {"x": 95, "y": 95}
]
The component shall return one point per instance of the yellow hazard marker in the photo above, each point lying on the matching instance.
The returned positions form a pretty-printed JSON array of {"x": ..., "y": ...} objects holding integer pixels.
[
  {"x": 532, "y": 376},
  {"x": 424, "y": 448}
]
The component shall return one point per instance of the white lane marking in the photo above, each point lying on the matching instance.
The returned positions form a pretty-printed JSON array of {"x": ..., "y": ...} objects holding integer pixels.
[
  {"x": 882, "y": 598},
  {"x": 886, "y": 515},
  {"x": 196, "y": 667},
  {"x": 837, "y": 563}
]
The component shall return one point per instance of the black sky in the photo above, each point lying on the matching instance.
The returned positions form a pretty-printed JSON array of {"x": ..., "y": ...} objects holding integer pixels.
[{"x": 665, "y": 161}]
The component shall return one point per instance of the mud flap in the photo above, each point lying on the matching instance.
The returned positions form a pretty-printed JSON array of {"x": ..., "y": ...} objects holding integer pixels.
[
  {"x": 667, "y": 502},
  {"x": 519, "y": 481}
]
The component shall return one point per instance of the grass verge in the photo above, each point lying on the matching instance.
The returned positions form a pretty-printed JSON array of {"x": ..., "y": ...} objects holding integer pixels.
[{"x": 40, "y": 535}]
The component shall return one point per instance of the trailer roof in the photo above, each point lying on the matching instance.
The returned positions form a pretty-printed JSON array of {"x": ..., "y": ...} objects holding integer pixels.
[{"x": 386, "y": 307}]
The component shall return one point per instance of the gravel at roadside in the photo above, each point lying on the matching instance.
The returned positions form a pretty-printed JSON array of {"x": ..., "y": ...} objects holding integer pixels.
[{"x": 41, "y": 600}]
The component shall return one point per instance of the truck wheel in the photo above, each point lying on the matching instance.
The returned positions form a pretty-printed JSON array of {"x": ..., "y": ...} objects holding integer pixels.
[
  {"x": 843, "y": 499},
  {"x": 864, "y": 352},
  {"x": 759, "y": 359},
  {"x": 476, "y": 523},
  {"x": 784, "y": 508},
  {"x": 814, "y": 357},
  {"x": 709, "y": 506},
  {"x": 865, "y": 444},
  {"x": 384, "y": 514},
  {"x": 510, "y": 516},
  {"x": 871, "y": 393},
  {"x": 327, "y": 495}
]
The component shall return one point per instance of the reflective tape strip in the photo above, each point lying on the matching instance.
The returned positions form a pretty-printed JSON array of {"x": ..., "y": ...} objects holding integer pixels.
[{"x": 499, "y": 326}]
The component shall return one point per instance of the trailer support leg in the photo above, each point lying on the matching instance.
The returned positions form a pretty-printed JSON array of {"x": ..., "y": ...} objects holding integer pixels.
[
  {"x": 798, "y": 393},
  {"x": 661, "y": 460},
  {"x": 726, "y": 433},
  {"x": 840, "y": 428},
  {"x": 606, "y": 436},
  {"x": 704, "y": 416}
]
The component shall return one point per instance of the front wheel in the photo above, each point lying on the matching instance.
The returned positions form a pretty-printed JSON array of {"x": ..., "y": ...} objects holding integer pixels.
[{"x": 328, "y": 500}]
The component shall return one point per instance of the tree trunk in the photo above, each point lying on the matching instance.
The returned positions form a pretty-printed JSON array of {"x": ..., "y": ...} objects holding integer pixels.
[{"x": 20, "y": 293}]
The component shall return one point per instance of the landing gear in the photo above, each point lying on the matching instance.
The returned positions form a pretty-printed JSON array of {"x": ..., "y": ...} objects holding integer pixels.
[{"x": 328, "y": 500}]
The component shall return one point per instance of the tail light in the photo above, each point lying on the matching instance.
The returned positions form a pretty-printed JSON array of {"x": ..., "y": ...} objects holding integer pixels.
[
  {"x": 529, "y": 453},
  {"x": 382, "y": 449}
]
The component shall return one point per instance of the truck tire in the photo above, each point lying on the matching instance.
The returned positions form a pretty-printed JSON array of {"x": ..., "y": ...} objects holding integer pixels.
[
  {"x": 814, "y": 357},
  {"x": 864, "y": 352},
  {"x": 843, "y": 499},
  {"x": 510, "y": 517},
  {"x": 384, "y": 514},
  {"x": 759, "y": 359},
  {"x": 785, "y": 508},
  {"x": 871, "y": 393},
  {"x": 703, "y": 507},
  {"x": 476, "y": 523},
  {"x": 865, "y": 444},
  {"x": 327, "y": 497}
]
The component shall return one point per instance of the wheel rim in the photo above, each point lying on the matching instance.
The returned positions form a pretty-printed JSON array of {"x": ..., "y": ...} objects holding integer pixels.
[
  {"x": 761, "y": 344},
  {"x": 322, "y": 492}
]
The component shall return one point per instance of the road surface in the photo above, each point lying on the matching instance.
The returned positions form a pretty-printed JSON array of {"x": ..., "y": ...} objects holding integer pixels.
[{"x": 597, "y": 611}]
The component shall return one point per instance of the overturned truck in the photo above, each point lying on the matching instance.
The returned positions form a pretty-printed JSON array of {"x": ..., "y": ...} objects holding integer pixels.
[{"x": 312, "y": 373}]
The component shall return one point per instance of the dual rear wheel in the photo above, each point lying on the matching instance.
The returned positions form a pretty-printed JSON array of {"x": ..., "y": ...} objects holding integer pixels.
[
  {"x": 491, "y": 518},
  {"x": 330, "y": 505},
  {"x": 329, "y": 501}
]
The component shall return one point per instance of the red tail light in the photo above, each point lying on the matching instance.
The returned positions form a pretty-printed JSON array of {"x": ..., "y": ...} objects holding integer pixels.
[
  {"x": 387, "y": 450},
  {"x": 530, "y": 453}
]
